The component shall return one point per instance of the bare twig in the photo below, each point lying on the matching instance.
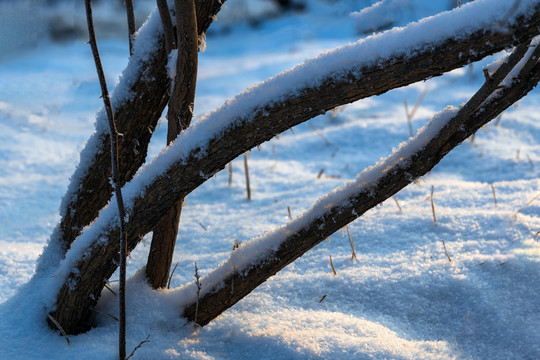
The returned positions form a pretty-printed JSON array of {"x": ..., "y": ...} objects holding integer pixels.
[
  {"x": 433, "y": 206},
  {"x": 289, "y": 211},
  {"x": 399, "y": 207},
  {"x": 323, "y": 297},
  {"x": 246, "y": 170},
  {"x": 230, "y": 171},
  {"x": 446, "y": 251},
  {"x": 59, "y": 327},
  {"x": 198, "y": 283},
  {"x": 139, "y": 346},
  {"x": 351, "y": 241},
  {"x": 116, "y": 182},
  {"x": 111, "y": 290},
  {"x": 168, "y": 29},
  {"x": 170, "y": 276},
  {"x": 131, "y": 23},
  {"x": 494, "y": 196},
  {"x": 106, "y": 313},
  {"x": 332, "y": 265},
  {"x": 320, "y": 173},
  {"x": 526, "y": 205}
]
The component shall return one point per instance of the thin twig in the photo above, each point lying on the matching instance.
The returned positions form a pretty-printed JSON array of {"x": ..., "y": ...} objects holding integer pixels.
[
  {"x": 494, "y": 196},
  {"x": 111, "y": 290},
  {"x": 446, "y": 251},
  {"x": 168, "y": 29},
  {"x": 198, "y": 283},
  {"x": 289, "y": 211},
  {"x": 332, "y": 265},
  {"x": 170, "y": 276},
  {"x": 320, "y": 173},
  {"x": 399, "y": 207},
  {"x": 131, "y": 23},
  {"x": 246, "y": 169},
  {"x": 106, "y": 313},
  {"x": 139, "y": 346},
  {"x": 115, "y": 179},
  {"x": 526, "y": 205},
  {"x": 57, "y": 324},
  {"x": 351, "y": 241},
  {"x": 433, "y": 206},
  {"x": 323, "y": 297}
]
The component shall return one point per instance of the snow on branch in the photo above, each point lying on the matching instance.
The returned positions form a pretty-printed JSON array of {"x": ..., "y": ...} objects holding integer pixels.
[{"x": 369, "y": 67}]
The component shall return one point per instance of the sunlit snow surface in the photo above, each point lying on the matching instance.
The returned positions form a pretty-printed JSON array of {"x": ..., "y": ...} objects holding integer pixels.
[{"x": 400, "y": 299}]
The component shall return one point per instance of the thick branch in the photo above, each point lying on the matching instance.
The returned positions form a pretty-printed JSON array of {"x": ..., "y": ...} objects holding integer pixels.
[
  {"x": 179, "y": 117},
  {"x": 136, "y": 117},
  {"x": 365, "y": 196},
  {"x": 260, "y": 124}
]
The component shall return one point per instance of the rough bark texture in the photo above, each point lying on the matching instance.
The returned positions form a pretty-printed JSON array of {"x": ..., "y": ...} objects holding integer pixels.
[
  {"x": 89, "y": 277},
  {"x": 179, "y": 117},
  {"x": 239, "y": 284},
  {"x": 136, "y": 120}
]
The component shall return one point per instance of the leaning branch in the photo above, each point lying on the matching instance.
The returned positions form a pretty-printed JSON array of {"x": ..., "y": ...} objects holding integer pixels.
[
  {"x": 346, "y": 204},
  {"x": 207, "y": 147},
  {"x": 139, "y": 100}
]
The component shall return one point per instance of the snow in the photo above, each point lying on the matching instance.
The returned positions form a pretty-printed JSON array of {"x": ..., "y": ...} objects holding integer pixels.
[{"x": 401, "y": 299}]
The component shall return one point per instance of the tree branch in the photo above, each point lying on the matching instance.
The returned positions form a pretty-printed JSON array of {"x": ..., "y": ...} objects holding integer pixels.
[
  {"x": 131, "y": 23},
  {"x": 165, "y": 15},
  {"x": 197, "y": 160},
  {"x": 139, "y": 100},
  {"x": 179, "y": 117},
  {"x": 357, "y": 197}
]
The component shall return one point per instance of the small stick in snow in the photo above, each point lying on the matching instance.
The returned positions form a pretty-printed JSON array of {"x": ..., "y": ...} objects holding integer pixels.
[
  {"x": 139, "y": 346},
  {"x": 198, "y": 283},
  {"x": 399, "y": 207},
  {"x": 494, "y": 196},
  {"x": 530, "y": 161},
  {"x": 248, "y": 189},
  {"x": 111, "y": 290},
  {"x": 318, "y": 132},
  {"x": 170, "y": 276},
  {"x": 446, "y": 251},
  {"x": 105, "y": 313},
  {"x": 324, "y": 297},
  {"x": 289, "y": 211},
  {"x": 59, "y": 328},
  {"x": 536, "y": 235},
  {"x": 320, "y": 173},
  {"x": 526, "y": 205},
  {"x": 332, "y": 265},
  {"x": 351, "y": 241},
  {"x": 202, "y": 225},
  {"x": 229, "y": 171},
  {"x": 433, "y": 206}
]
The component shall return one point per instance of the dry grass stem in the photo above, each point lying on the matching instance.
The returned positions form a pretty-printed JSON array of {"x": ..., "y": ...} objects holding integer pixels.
[
  {"x": 494, "y": 196},
  {"x": 289, "y": 211},
  {"x": 171, "y": 275},
  {"x": 59, "y": 328},
  {"x": 530, "y": 161},
  {"x": 351, "y": 241},
  {"x": 517, "y": 155},
  {"x": 105, "y": 313},
  {"x": 446, "y": 251},
  {"x": 246, "y": 169},
  {"x": 111, "y": 290},
  {"x": 526, "y": 205},
  {"x": 320, "y": 173},
  {"x": 318, "y": 132},
  {"x": 433, "y": 206},
  {"x": 399, "y": 207},
  {"x": 198, "y": 283},
  {"x": 332, "y": 265},
  {"x": 229, "y": 171},
  {"x": 202, "y": 225},
  {"x": 323, "y": 297}
]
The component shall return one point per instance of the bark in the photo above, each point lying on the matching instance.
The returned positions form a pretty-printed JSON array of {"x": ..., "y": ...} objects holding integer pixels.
[
  {"x": 136, "y": 119},
  {"x": 90, "y": 274},
  {"x": 179, "y": 117},
  {"x": 130, "y": 14},
  {"x": 468, "y": 120}
]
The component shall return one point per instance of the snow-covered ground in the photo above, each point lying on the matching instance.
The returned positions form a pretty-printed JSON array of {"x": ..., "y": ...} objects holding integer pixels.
[{"x": 400, "y": 299}]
